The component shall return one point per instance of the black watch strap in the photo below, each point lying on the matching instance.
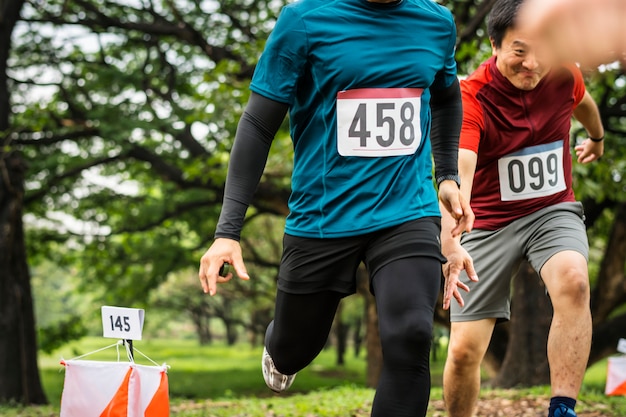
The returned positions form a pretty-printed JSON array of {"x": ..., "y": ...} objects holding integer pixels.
[{"x": 454, "y": 178}]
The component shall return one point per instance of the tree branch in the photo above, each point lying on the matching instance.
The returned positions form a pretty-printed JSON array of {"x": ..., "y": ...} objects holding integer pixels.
[{"x": 36, "y": 195}]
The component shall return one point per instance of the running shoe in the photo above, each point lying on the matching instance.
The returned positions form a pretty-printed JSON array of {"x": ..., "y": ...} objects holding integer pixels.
[
  {"x": 564, "y": 411},
  {"x": 276, "y": 381}
]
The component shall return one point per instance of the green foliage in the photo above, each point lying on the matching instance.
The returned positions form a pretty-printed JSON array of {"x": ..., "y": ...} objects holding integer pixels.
[
  {"x": 605, "y": 180},
  {"x": 60, "y": 312},
  {"x": 52, "y": 337},
  {"x": 126, "y": 120},
  {"x": 471, "y": 54}
]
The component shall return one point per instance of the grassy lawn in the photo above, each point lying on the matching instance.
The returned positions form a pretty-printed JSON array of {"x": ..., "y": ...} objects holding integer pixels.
[
  {"x": 205, "y": 372},
  {"x": 219, "y": 381}
]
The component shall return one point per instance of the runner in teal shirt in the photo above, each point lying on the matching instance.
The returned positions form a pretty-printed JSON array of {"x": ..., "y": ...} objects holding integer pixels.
[
  {"x": 321, "y": 49},
  {"x": 373, "y": 98}
]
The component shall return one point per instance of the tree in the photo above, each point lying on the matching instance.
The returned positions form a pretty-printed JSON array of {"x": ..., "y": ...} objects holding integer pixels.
[
  {"x": 133, "y": 138},
  {"x": 129, "y": 122},
  {"x": 19, "y": 376}
]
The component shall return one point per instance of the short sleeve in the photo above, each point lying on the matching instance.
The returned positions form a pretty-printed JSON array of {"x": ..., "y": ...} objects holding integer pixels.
[
  {"x": 448, "y": 74},
  {"x": 473, "y": 121},
  {"x": 579, "y": 84},
  {"x": 282, "y": 61}
]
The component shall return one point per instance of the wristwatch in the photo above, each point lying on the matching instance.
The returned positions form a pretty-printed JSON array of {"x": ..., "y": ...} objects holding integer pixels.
[{"x": 454, "y": 178}]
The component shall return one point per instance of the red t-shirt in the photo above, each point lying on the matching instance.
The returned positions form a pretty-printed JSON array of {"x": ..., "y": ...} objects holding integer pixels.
[{"x": 522, "y": 141}]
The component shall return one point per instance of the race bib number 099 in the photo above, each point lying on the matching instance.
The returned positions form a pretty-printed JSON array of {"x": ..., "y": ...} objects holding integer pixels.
[
  {"x": 536, "y": 171},
  {"x": 378, "y": 122}
]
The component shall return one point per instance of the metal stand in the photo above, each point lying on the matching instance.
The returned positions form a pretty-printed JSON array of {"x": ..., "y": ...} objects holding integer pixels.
[{"x": 130, "y": 348}]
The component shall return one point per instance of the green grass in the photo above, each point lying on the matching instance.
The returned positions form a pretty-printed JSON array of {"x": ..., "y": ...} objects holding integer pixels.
[
  {"x": 214, "y": 372},
  {"x": 328, "y": 402},
  {"x": 220, "y": 381}
]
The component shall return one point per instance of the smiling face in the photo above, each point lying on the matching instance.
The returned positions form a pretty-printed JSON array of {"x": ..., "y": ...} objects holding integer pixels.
[{"x": 519, "y": 60}]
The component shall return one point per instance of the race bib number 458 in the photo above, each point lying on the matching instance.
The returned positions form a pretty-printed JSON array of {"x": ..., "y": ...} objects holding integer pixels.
[
  {"x": 536, "y": 171},
  {"x": 378, "y": 122}
]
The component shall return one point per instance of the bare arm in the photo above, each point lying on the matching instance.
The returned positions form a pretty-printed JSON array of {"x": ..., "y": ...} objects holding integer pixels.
[
  {"x": 458, "y": 258},
  {"x": 588, "y": 115}
]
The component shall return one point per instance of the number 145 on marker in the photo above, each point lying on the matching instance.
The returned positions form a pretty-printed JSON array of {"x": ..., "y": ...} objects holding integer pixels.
[{"x": 122, "y": 322}]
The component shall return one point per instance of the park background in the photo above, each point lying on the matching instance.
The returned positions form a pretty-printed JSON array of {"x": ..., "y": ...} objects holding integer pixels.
[{"x": 116, "y": 121}]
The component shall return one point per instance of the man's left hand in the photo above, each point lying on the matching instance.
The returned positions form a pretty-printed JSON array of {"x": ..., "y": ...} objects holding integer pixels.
[
  {"x": 453, "y": 201},
  {"x": 589, "y": 151}
]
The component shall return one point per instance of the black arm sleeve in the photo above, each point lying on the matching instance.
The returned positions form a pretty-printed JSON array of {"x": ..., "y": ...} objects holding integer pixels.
[
  {"x": 447, "y": 116},
  {"x": 255, "y": 132}
]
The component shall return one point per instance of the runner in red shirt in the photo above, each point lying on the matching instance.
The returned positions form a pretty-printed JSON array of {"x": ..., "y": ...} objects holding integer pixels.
[{"x": 515, "y": 167}]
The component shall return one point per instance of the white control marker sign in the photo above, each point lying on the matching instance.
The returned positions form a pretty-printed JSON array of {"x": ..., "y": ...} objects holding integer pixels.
[{"x": 122, "y": 322}]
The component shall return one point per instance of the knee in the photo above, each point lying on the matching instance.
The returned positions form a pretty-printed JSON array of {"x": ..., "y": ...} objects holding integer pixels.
[
  {"x": 411, "y": 334},
  {"x": 573, "y": 290},
  {"x": 464, "y": 354}
]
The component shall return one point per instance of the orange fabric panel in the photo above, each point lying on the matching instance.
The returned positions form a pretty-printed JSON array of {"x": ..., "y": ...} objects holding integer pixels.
[
  {"x": 160, "y": 404},
  {"x": 118, "y": 406}
]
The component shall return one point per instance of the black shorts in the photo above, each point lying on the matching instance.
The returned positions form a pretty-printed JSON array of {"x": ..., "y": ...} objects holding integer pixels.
[{"x": 314, "y": 265}]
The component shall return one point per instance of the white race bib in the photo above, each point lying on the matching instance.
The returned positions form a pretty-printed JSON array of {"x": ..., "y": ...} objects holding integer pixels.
[
  {"x": 536, "y": 171},
  {"x": 378, "y": 122}
]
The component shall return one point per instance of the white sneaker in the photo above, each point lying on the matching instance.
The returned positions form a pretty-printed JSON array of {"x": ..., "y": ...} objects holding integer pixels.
[{"x": 276, "y": 381}]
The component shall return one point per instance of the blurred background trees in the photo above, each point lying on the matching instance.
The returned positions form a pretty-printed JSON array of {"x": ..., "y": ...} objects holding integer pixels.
[{"x": 117, "y": 118}]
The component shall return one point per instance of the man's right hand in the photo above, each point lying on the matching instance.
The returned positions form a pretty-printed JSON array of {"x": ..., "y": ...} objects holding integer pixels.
[
  {"x": 221, "y": 251},
  {"x": 458, "y": 260}
]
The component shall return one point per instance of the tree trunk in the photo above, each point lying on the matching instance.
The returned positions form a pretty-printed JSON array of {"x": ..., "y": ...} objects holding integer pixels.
[
  {"x": 202, "y": 322},
  {"x": 357, "y": 338},
  {"x": 19, "y": 375},
  {"x": 372, "y": 336},
  {"x": 611, "y": 288},
  {"x": 525, "y": 362},
  {"x": 610, "y": 292},
  {"x": 341, "y": 336},
  {"x": 231, "y": 332},
  {"x": 496, "y": 353}
]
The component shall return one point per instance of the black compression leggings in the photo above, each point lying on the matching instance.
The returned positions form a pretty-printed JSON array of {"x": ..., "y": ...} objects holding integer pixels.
[{"x": 406, "y": 292}]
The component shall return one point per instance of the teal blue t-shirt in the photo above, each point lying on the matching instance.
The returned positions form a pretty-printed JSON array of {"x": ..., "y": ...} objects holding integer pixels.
[{"x": 357, "y": 77}]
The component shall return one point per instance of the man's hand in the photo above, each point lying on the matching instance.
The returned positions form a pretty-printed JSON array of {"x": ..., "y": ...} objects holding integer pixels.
[
  {"x": 590, "y": 32},
  {"x": 221, "y": 251},
  {"x": 589, "y": 151},
  {"x": 458, "y": 260},
  {"x": 453, "y": 201}
]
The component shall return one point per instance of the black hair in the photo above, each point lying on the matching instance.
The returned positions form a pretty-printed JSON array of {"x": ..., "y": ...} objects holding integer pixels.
[{"x": 501, "y": 18}]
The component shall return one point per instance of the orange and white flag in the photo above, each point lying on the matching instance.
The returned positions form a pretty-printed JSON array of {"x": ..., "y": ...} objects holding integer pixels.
[
  {"x": 616, "y": 376},
  {"x": 114, "y": 389}
]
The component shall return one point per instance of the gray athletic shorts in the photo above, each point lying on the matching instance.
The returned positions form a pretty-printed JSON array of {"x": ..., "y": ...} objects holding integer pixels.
[{"x": 497, "y": 255}]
